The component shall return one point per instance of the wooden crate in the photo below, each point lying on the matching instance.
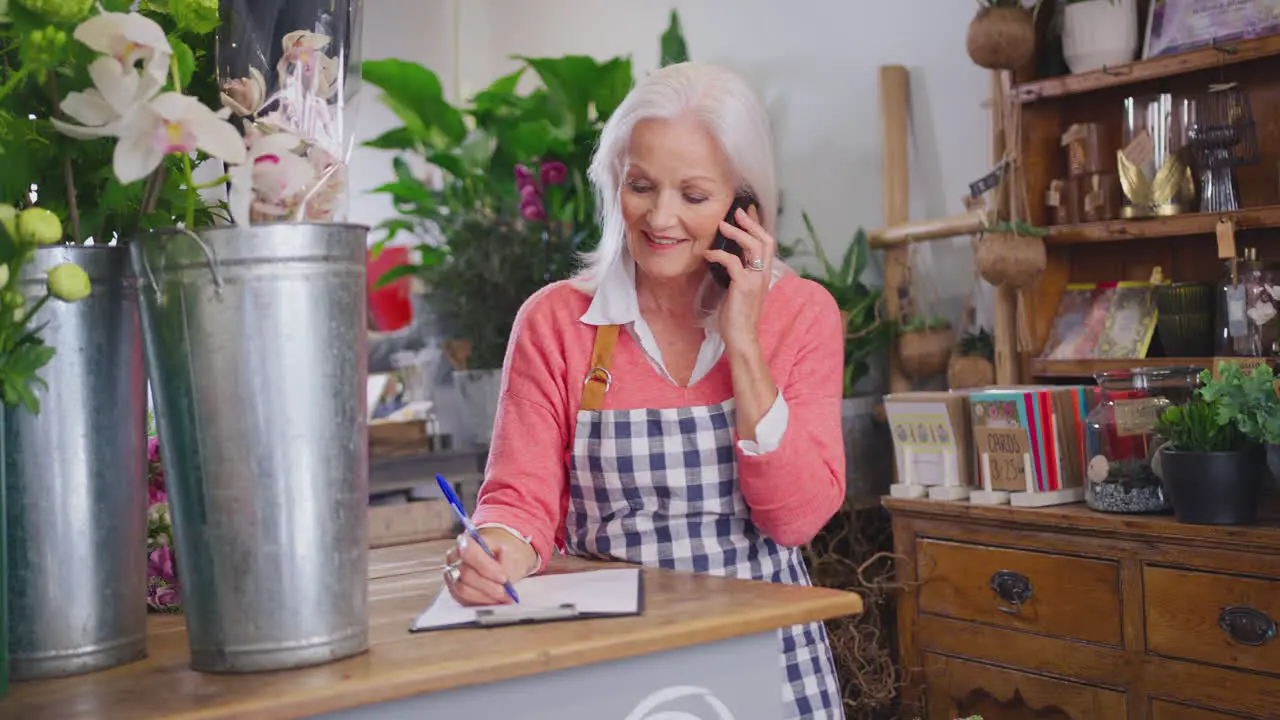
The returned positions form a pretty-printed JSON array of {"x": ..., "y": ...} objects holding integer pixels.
[{"x": 410, "y": 522}]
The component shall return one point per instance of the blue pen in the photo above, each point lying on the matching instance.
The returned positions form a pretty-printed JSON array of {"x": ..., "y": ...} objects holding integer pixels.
[{"x": 470, "y": 527}]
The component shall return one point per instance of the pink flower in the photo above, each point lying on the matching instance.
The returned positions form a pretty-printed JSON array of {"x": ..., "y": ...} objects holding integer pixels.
[
  {"x": 533, "y": 210},
  {"x": 529, "y": 194},
  {"x": 153, "y": 449},
  {"x": 156, "y": 494},
  {"x": 523, "y": 176},
  {"x": 554, "y": 173},
  {"x": 160, "y": 564}
]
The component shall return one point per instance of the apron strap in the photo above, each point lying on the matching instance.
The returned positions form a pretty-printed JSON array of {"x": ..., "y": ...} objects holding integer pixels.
[{"x": 599, "y": 380}]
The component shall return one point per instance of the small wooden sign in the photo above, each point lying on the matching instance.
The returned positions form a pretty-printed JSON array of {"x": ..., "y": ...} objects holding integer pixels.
[{"x": 1006, "y": 451}]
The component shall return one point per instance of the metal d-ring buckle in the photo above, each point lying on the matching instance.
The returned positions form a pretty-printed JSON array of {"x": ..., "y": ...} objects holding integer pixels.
[{"x": 607, "y": 378}]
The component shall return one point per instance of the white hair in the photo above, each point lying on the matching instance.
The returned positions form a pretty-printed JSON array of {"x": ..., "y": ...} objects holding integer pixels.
[{"x": 725, "y": 105}]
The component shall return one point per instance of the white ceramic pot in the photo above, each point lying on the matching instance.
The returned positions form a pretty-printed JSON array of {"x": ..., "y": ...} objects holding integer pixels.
[
  {"x": 1097, "y": 33},
  {"x": 479, "y": 390}
]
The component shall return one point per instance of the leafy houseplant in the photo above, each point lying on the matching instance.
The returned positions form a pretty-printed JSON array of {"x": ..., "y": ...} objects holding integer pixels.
[
  {"x": 1212, "y": 463},
  {"x": 972, "y": 364},
  {"x": 866, "y": 332},
  {"x": 514, "y": 209}
]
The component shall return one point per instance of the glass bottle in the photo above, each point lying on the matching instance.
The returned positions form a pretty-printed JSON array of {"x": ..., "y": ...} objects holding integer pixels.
[
  {"x": 1247, "y": 325},
  {"x": 1120, "y": 441}
]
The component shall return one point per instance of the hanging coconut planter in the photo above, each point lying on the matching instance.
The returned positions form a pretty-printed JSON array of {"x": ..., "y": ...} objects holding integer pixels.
[
  {"x": 970, "y": 365},
  {"x": 924, "y": 347},
  {"x": 1002, "y": 36},
  {"x": 1011, "y": 254}
]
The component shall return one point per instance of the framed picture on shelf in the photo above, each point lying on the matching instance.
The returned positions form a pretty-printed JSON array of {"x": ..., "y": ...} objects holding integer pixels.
[{"x": 1175, "y": 26}]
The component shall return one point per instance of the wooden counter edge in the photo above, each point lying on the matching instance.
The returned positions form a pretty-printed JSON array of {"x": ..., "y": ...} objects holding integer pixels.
[{"x": 466, "y": 672}]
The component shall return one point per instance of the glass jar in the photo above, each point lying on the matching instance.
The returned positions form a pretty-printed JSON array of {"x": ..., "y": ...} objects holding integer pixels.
[
  {"x": 1120, "y": 440},
  {"x": 1247, "y": 308}
]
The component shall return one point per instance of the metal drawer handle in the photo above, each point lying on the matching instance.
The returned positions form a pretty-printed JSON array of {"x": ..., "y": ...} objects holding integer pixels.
[
  {"x": 1012, "y": 588},
  {"x": 1247, "y": 626}
]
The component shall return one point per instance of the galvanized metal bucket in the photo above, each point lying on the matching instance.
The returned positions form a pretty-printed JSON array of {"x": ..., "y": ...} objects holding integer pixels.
[
  {"x": 77, "y": 479},
  {"x": 257, "y": 352}
]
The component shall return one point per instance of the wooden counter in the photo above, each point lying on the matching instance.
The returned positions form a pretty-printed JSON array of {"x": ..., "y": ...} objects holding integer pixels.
[{"x": 681, "y": 610}]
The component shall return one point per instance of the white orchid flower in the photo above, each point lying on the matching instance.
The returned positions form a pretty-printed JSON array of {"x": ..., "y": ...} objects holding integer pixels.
[
  {"x": 128, "y": 38},
  {"x": 270, "y": 180},
  {"x": 117, "y": 91},
  {"x": 305, "y": 63},
  {"x": 172, "y": 123}
]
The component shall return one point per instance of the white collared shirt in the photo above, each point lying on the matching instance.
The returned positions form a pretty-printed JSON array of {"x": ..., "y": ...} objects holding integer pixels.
[{"x": 616, "y": 303}]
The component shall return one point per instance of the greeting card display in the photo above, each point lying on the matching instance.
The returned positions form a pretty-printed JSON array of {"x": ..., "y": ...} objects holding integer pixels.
[
  {"x": 1029, "y": 444},
  {"x": 930, "y": 444}
]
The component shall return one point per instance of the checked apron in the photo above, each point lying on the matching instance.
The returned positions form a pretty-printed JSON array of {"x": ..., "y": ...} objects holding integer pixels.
[{"x": 659, "y": 487}]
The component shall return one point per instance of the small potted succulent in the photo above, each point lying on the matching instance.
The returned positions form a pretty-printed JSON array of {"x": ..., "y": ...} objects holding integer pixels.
[
  {"x": 924, "y": 344},
  {"x": 1213, "y": 461},
  {"x": 1002, "y": 36},
  {"x": 972, "y": 364}
]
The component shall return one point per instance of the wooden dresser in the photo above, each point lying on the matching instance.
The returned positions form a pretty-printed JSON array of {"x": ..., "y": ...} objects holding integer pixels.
[{"x": 1068, "y": 614}]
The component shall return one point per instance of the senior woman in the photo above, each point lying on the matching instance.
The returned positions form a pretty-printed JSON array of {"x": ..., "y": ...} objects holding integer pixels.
[{"x": 650, "y": 416}]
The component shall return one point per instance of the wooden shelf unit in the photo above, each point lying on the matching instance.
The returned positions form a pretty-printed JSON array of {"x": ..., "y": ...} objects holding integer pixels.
[
  {"x": 1083, "y": 369},
  {"x": 1144, "y": 71},
  {"x": 1183, "y": 246}
]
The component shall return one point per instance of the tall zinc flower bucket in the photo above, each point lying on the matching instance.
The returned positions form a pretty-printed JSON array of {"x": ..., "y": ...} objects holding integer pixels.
[
  {"x": 257, "y": 352},
  {"x": 76, "y": 478}
]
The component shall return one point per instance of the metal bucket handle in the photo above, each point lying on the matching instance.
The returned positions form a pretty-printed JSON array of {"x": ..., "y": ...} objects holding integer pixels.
[{"x": 209, "y": 256}]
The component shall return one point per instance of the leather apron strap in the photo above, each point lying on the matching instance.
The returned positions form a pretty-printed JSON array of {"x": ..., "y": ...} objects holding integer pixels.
[{"x": 599, "y": 380}]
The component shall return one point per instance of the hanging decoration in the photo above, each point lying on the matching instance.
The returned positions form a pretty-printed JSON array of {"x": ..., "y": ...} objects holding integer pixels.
[
  {"x": 1002, "y": 36},
  {"x": 924, "y": 340}
]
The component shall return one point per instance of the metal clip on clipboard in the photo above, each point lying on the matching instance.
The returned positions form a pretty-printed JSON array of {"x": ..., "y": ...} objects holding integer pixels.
[{"x": 515, "y": 615}]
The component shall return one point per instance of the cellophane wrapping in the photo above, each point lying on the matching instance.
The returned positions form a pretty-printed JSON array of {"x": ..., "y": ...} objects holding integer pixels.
[{"x": 288, "y": 71}]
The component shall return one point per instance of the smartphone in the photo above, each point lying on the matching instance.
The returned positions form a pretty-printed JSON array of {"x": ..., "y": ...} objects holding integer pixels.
[{"x": 745, "y": 201}]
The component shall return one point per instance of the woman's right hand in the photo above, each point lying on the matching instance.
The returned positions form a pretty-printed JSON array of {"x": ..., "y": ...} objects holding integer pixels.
[{"x": 480, "y": 578}]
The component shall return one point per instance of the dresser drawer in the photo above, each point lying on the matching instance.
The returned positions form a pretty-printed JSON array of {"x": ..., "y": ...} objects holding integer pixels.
[
  {"x": 1161, "y": 710},
  {"x": 1212, "y": 618},
  {"x": 1057, "y": 595}
]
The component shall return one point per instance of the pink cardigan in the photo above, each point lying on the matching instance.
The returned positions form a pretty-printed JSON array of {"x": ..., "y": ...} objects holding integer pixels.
[{"x": 791, "y": 492}]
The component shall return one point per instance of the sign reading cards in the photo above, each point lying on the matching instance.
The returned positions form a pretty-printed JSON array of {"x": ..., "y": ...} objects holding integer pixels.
[{"x": 1004, "y": 453}]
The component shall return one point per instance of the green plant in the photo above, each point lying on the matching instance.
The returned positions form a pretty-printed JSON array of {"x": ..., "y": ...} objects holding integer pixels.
[
  {"x": 866, "y": 331},
  {"x": 1246, "y": 399},
  {"x": 514, "y": 169},
  {"x": 921, "y": 323},
  {"x": 42, "y": 64},
  {"x": 1017, "y": 227},
  {"x": 23, "y": 352},
  {"x": 1198, "y": 426},
  {"x": 977, "y": 344}
]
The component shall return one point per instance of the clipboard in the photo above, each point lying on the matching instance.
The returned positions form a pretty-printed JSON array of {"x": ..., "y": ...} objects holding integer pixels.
[{"x": 611, "y": 592}]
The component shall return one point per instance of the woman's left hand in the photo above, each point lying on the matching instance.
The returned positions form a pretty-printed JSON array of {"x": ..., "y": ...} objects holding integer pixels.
[{"x": 749, "y": 279}]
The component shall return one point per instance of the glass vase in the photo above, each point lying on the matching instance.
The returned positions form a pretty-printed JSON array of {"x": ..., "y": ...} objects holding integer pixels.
[{"x": 1122, "y": 474}]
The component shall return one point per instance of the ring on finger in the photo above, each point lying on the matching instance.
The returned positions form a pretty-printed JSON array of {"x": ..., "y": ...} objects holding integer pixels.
[
  {"x": 756, "y": 264},
  {"x": 453, "y": 571}
]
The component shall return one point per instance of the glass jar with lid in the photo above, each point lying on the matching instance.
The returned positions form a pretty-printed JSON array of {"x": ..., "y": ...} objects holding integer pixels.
[{"x": 1120, "y": 441}]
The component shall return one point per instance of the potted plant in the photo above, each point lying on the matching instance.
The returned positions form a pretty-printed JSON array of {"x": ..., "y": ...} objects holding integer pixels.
[
  {"x": 513, "y": 210},
  {"x": 1011, "y": 253},
  {"x": 1210, "y": 466},
  {"x": 972, "y": 364},
  {"x": 1002, "y": 36},
  {"x": 924, "y": 344},
  {"x": 1099, "y": 33},
  {"x": 868, "y": 473},
  {"x": 217, "y": 155}
]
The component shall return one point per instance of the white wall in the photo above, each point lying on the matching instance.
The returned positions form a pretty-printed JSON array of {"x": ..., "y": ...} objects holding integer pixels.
[{"x": 814, "y": 61}]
